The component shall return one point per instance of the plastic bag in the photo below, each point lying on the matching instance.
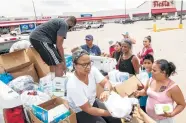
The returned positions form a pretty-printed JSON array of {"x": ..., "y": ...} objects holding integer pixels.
[
  {"x": 22, "y": 83},
  {"x": 143, "y": 77},
  {"x": 33, "y": 97},
  {"x": 30, "y": 98},
  {"x": 117, "y": 77},
  {"x": 24, "y": 44},
  {"x": 122, "y": 76},
  {"x": 120, "y": 107},
  {"x": 112, "y": 76}
]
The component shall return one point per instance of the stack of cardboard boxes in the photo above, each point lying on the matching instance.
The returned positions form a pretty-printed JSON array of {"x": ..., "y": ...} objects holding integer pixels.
[{"x": 29, "y": 62}]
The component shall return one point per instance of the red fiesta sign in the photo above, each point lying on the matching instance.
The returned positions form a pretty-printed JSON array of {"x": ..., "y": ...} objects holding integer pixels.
[{"x": 159, "y": 4}]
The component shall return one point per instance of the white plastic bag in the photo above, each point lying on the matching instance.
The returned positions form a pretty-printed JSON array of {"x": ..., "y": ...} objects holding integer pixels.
[
  {"x": 120, "y": 107},
  {"x": 23, "y": 44},
  {"x": 30, "y": 98},
  {"x": 122, "y": 76},
  {"x": 112, "y": 76},
  {"x": 143, "y": 77},
  {"x": 117, "y": 77},
  {"x": 22, "y": 83}
]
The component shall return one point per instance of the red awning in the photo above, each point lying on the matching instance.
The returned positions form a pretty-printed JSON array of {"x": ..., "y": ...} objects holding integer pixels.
[{"x": 166, "y": 10}]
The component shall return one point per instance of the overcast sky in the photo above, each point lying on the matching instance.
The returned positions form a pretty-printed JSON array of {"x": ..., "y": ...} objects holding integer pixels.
[{"x": 57, "y": 7}]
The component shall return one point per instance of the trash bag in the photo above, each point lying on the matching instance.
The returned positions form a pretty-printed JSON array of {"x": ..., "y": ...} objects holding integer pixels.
[
  {"x": 120, "y": 107},
  {"x": 22, "y": 83}
]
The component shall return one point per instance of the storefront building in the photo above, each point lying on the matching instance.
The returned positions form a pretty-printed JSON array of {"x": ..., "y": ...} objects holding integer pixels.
[{"x": 145, "y": 10}]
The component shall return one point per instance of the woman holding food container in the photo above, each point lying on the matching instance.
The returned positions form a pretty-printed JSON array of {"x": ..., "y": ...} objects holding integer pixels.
[
  {"x": 81, "y": 91},
  {"x": 162, "y": 90}
]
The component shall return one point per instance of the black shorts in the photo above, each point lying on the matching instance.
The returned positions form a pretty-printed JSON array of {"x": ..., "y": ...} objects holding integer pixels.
[{"x": 47, "y": 51}]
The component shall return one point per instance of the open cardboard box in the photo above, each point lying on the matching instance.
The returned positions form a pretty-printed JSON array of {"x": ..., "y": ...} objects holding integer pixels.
[
  {"x": 44, "y": 107},
  {"x": 14, "y": 61},
  {"x": 42, "y": 68},
  {"x": 126, "y": 88},
  {"x": 28, "y": 70}
]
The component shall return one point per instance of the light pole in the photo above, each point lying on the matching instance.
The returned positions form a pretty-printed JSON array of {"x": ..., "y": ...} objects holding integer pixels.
[
  {"x": 181, "y": 16},
  {"x": 34, "y": 11},
  {"x": 125, "y": 8}
]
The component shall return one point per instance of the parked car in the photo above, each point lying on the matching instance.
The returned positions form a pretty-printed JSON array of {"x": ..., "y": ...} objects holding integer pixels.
[
  {"x": 128, "y": 21},
  {"x": 94, "y": 25},
  {"x": 172, "y": 18},
  {"x": 117, "y": 21}
]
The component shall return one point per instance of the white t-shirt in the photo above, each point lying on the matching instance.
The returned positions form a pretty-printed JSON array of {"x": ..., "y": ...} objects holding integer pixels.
[{"x": 79, "y": 93}]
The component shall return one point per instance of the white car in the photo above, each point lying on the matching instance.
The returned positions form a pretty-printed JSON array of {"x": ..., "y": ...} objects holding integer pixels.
[
  {"x": 15, "y": 32},
  {"x": 94, "y": 25}
]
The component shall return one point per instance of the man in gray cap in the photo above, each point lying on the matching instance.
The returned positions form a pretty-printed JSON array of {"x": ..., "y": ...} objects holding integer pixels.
[{"x": 91, "y": 48}]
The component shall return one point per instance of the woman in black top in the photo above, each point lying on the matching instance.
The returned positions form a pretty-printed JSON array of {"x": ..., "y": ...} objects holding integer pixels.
[
  {"x": 117, "y": 51},
  {"x": 128, "y": 62}
]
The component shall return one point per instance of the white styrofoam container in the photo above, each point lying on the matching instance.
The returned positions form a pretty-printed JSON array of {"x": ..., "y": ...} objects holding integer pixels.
[{"x": 161, "y": 108}]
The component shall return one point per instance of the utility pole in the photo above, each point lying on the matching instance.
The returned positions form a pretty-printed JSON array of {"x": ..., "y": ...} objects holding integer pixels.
[
  {"x": 34, "y": 11},
  {"x": 125, "y": 8},
  {"x": 181, "y": 16}
]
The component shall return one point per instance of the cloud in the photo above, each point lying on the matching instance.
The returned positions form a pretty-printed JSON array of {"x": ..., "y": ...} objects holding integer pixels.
[{"x": 57, "y": 7}]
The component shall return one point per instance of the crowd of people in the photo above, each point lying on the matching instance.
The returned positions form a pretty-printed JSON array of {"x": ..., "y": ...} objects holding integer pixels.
[{"x": 81, "y": 87}]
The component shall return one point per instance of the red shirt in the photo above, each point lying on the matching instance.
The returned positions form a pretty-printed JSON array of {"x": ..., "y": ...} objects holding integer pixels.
[
  {"x": 144, "y": 52},
  {"x": 111, "y": 50}
]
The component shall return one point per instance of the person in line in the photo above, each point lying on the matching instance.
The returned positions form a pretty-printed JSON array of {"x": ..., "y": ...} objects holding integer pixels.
[
  {"x": 117, "y": 53},
  {"x": 111, "y": 47},
  {"x": 81, "y": 91},
  {"x": 162, "y": 90},
  {"x": 91, "y": 48},
  {"x": 51, "y": 33},
  {"x": 148, "y": 61},
  {"x": 127, "y": 37},
  {"x": 147, "y": 49},
  {"x": 127, "y": 61}
]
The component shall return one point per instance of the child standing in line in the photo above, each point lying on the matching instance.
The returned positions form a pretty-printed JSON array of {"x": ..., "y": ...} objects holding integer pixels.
[
  {"x": 148, "y": 61},
  {"x": 147, "y": 49}
]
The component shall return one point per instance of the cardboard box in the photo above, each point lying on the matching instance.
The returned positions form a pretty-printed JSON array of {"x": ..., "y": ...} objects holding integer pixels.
[
  {"x": 14, "y": 61},
  {"x": 44, "y": 108},
  {"x": 28, "y": 70},
  {"x": 128, "y": 87},
  {"x": 42, "y": 68}
]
